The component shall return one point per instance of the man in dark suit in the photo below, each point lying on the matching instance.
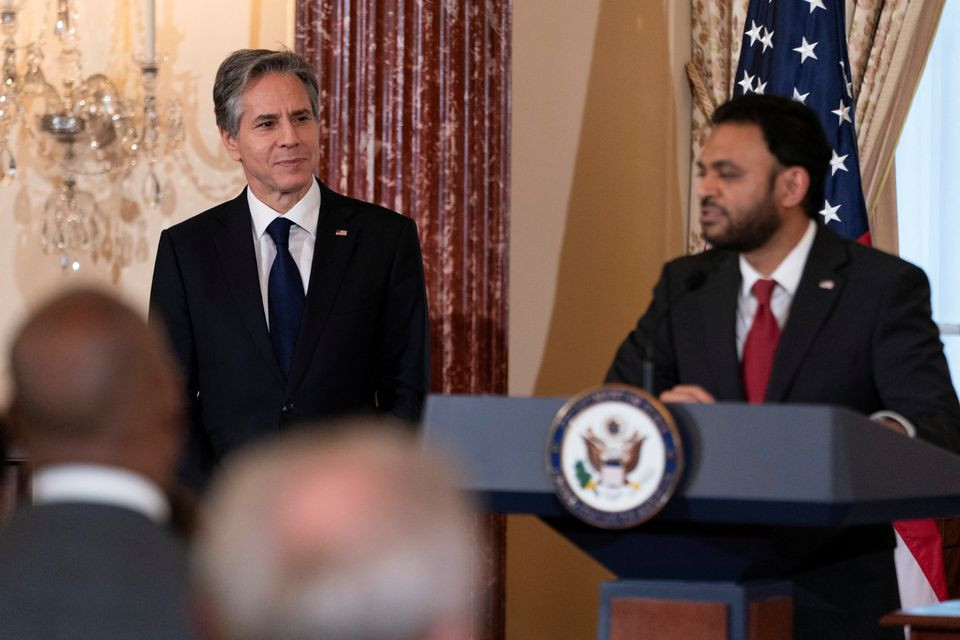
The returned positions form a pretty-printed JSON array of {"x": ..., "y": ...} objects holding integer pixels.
[
  {"x": 781, "y": 309},
  {"x": 290, "y": 302},
  {"x": 97, "y": 407}
]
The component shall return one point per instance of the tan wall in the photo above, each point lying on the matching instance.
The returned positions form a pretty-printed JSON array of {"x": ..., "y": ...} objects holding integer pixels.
[
  {"x": 596, "y": 194},
  {"x": 195, "y": 36},
  {"x": 600, "y": 108}
]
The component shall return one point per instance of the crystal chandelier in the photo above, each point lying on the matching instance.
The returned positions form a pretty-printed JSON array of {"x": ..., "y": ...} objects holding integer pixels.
[{"x": 86, "y": 128}]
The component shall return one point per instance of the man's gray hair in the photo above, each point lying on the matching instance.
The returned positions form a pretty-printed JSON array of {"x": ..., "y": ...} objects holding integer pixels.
[
  {"x": 243, "y": 66},
  {"x": 352, "y": 534}
]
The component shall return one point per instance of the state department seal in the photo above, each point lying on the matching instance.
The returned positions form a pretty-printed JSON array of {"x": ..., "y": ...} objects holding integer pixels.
[{"x": 614, "y": 456}]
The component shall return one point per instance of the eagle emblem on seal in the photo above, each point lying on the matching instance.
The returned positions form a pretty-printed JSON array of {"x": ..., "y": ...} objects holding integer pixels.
[
  {"x": 614, "y": 456},
  {"x": 613, "y": 460}
]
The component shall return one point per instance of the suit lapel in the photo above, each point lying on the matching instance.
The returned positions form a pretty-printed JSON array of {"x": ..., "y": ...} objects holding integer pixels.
[
  {"x": 718, "y": 315},
  {"x": 336, "y": 238},
  {"x": 239, "y": 260},
  {"x": 819, "y": 288}
]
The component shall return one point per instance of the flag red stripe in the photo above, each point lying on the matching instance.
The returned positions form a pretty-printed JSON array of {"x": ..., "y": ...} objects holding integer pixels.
[{"x": 923, "y": 540}]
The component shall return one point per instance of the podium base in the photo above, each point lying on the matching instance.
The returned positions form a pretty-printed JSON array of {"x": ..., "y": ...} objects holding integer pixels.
[{"x": 669, "y": 610}]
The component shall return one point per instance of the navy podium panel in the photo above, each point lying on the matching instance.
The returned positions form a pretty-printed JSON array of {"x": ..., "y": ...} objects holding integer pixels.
[{"x": 761, "y": 483}]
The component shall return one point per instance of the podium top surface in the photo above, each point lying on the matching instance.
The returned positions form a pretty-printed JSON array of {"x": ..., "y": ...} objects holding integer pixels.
[{"x": 794, "y": 465}]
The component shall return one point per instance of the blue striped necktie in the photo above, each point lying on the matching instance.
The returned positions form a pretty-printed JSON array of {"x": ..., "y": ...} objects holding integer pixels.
[{"x": 284, "y": 295}]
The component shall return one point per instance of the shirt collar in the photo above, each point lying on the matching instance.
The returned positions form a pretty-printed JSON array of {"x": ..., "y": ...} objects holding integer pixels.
[
  {"x": 99, "y": 484},
  {"x": 788, "y": 272},
  {"x": 304, "y": 214}
]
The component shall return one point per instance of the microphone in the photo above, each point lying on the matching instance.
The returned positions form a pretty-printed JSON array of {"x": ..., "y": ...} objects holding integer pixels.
[{"x": 691, "y": 283}]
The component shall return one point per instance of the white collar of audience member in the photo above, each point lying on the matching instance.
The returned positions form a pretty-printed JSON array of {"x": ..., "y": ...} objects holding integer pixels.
[{"x": 100, "y": 484}]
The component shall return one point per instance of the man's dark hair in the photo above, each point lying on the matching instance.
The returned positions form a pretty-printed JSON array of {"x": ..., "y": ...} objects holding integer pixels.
[{"x": 793, "y": 134}]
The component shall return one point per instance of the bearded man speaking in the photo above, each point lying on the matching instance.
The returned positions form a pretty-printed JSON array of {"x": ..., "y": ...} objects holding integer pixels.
[{"x": 781, "y": 309}]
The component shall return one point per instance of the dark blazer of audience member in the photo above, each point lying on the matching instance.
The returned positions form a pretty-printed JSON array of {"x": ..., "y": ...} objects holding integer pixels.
[{"x": 98, "y": 409}]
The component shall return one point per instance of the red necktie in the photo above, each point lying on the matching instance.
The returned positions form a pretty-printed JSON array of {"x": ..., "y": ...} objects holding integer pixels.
[{"x": 761, "y": 344}]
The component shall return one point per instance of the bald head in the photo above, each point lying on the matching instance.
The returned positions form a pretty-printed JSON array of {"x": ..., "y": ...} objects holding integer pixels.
[
  {"x": 359, "y": 535},
  {"x": 93, "y": 383}
]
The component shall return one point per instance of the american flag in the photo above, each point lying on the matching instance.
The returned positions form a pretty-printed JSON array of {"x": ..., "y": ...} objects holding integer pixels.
[{"x": 798, "y": 49}]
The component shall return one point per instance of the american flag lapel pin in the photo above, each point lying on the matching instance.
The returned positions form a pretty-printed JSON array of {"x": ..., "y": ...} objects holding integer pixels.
[
  {"x": 341, "y": 232},
  {"x": 827, "y": 284}
]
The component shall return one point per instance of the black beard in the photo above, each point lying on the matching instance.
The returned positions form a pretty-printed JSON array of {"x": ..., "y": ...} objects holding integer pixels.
[{"x": 752, "y": 231}]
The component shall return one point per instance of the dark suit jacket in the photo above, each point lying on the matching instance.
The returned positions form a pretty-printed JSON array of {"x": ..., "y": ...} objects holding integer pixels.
[
  {"x": 363, "y": 342},
  {"x": 73, "y": 570},
  {"x": 859, "y": 334}
]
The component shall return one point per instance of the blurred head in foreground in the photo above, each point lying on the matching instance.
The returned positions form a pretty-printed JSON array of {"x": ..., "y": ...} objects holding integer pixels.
[
  {"x": 347, "y": 533},
  {"x": 92, "y": 383}
]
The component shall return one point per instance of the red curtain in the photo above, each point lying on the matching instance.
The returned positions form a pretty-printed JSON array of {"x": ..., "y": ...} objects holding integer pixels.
[{"x": 415, "y": 116}]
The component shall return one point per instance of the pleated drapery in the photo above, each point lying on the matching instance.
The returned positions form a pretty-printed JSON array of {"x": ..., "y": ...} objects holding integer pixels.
[{"x": 888, "y": 42}]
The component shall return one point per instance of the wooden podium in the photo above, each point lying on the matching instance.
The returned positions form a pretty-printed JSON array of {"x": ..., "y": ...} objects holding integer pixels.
[{"x": 750, "y": 471}]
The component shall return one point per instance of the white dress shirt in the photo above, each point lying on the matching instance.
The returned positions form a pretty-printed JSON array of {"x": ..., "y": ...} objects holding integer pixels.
[
  {"x": 303, "y": 236},
  {"x": 787, "y": 276},
  {"x": 100, "y": 484}
]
